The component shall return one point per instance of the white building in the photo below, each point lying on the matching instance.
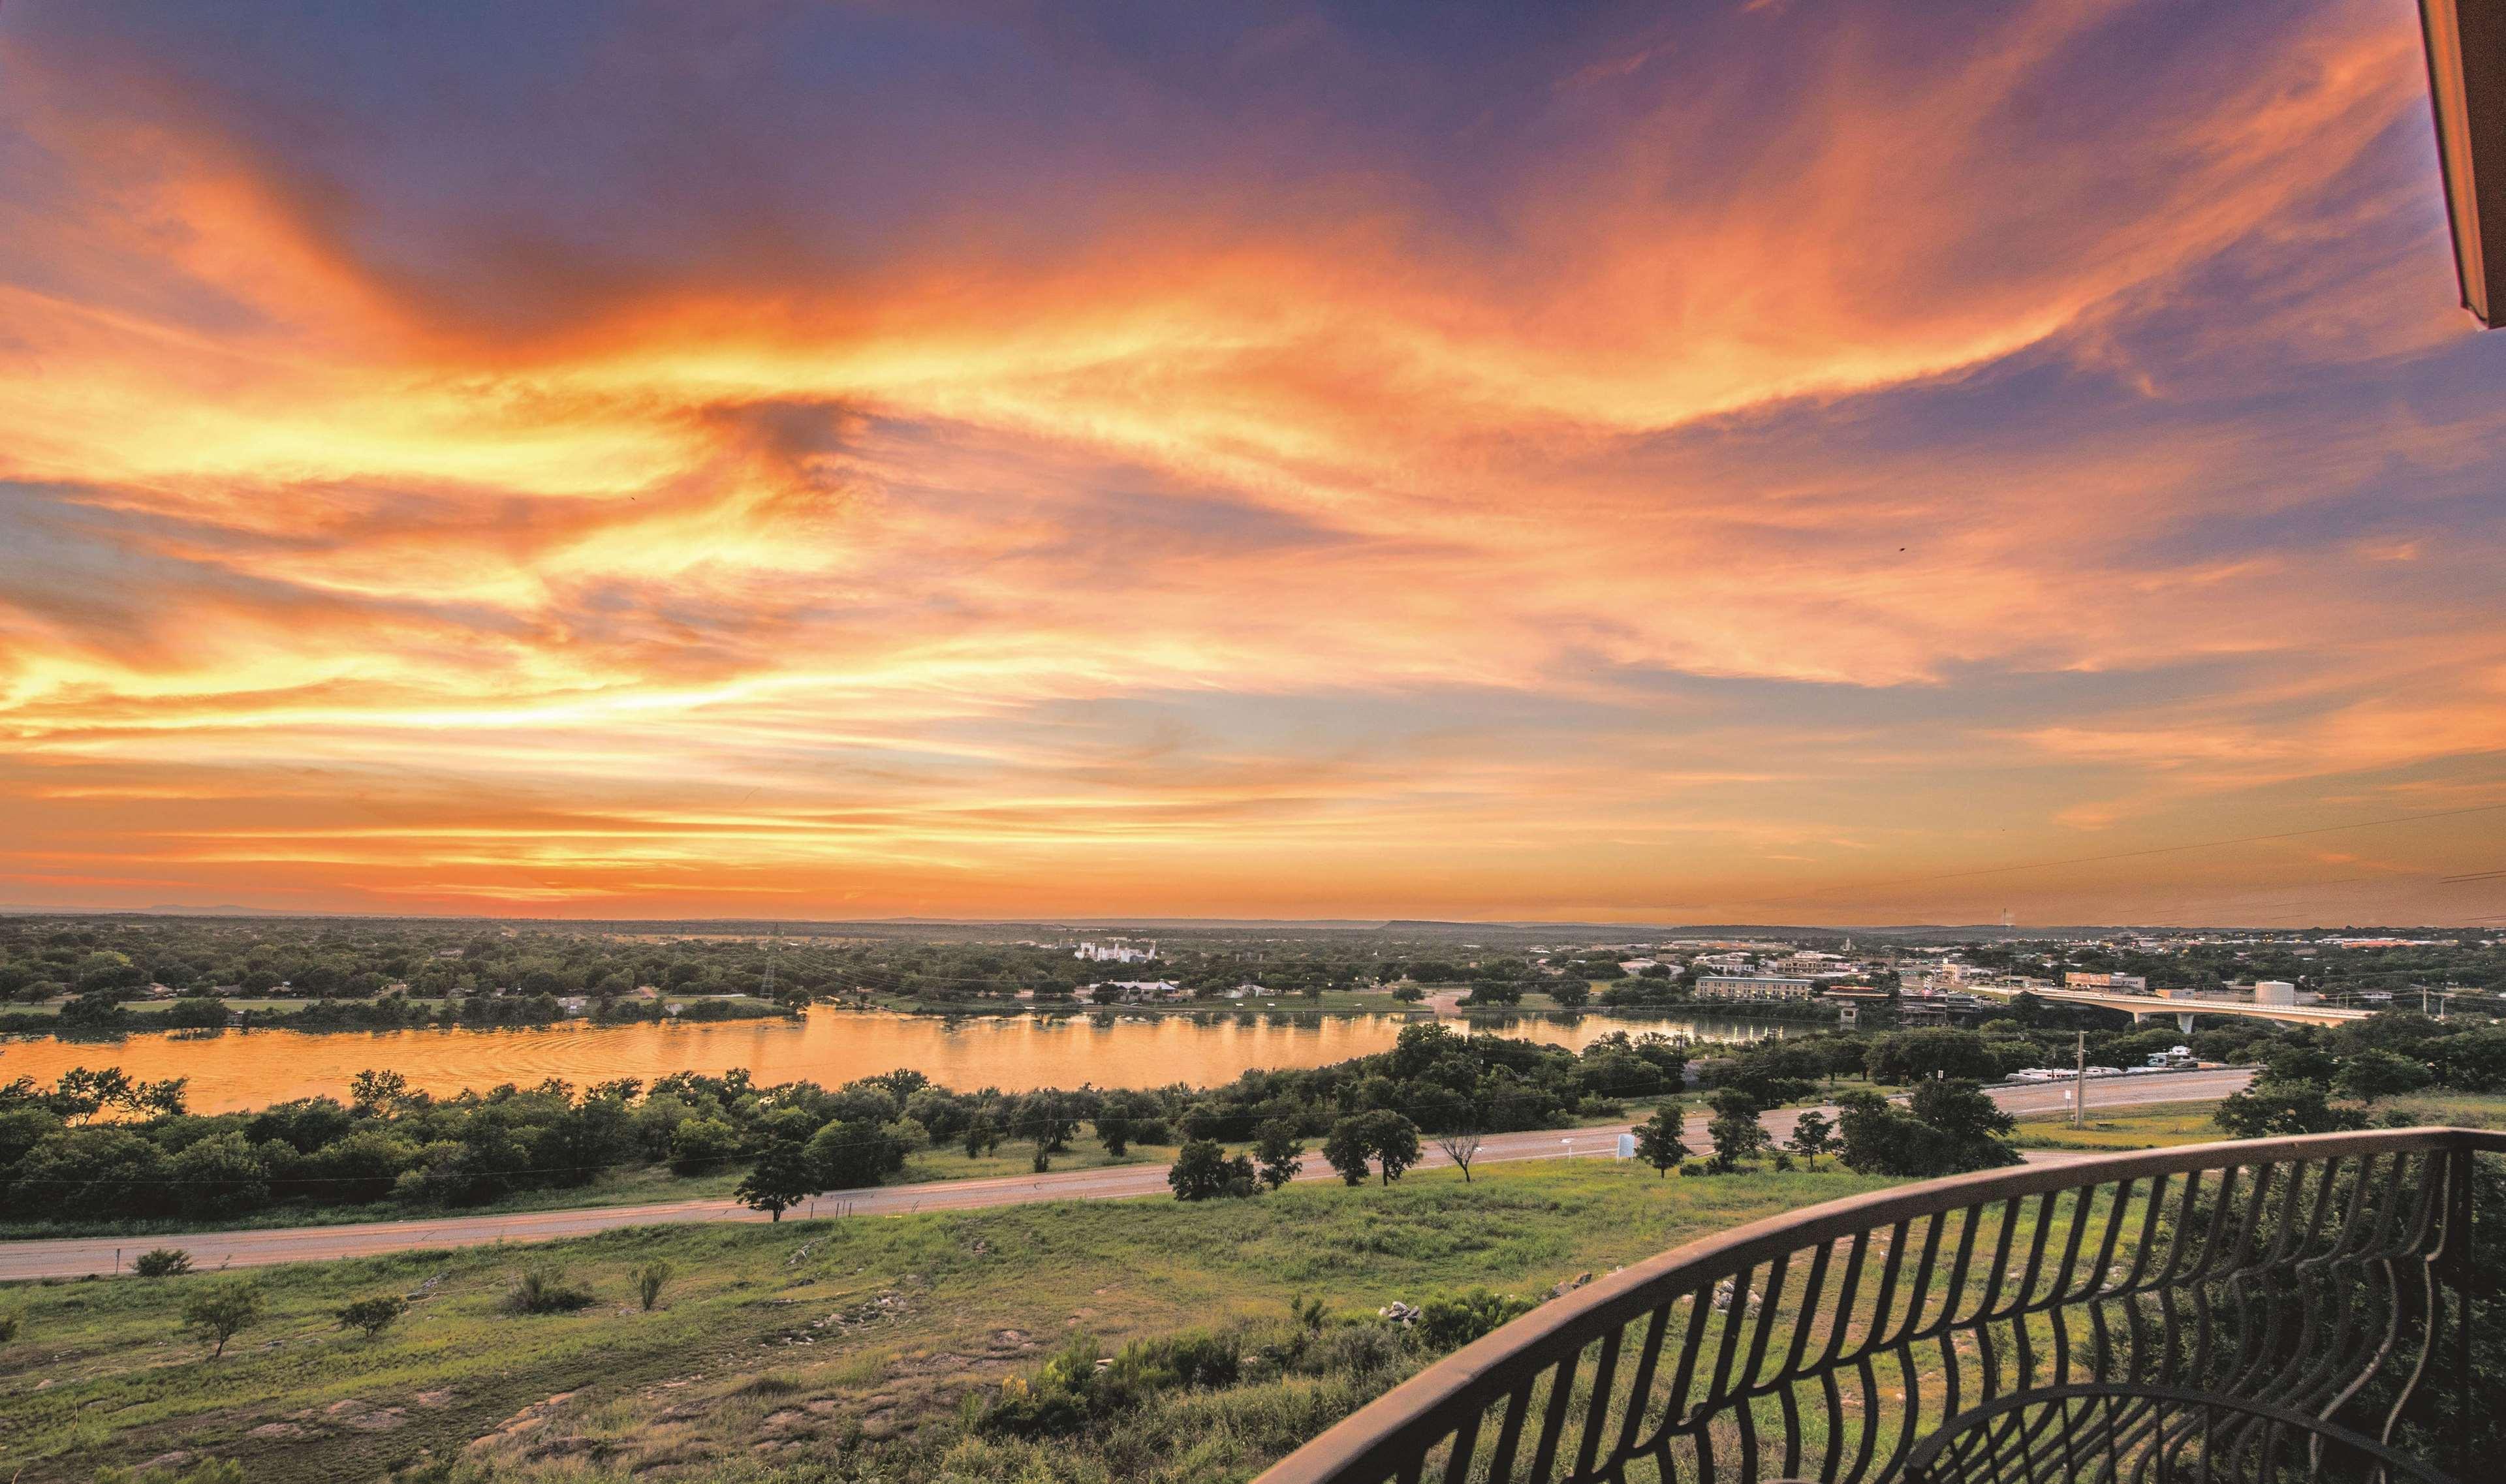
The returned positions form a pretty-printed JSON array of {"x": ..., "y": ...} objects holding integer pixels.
[
  {"x": 1754, "y": 986},
  {"x": 1117, "y": 951},
  {"x": 2274, "y": 991},
  {"x": 1138, "y": 991},
  {"x": 2130, "y": 984}
]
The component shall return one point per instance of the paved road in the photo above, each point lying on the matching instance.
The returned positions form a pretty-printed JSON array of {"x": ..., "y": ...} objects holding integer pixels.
[{"x": 77, "y": 1257}]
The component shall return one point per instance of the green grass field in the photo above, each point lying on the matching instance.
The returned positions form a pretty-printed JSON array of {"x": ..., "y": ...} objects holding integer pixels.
[
  {"x": 802, "y": 1343},
  {"x": 2155, "y": 1125},
  {"x": 2162, "y": 1125}
]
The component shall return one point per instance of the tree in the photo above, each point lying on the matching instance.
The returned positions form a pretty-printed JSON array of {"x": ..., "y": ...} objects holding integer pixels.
[
  {"x": 1734, "y": 1130},
  {"x": 2370, "y": 1074},
  {"x": 983, "y": 1136},
  {"x": 852, "y": 1153},
  {"x": 1280, "y": 1152},
  {"x": 1201, "y": 1170},
  {"x": 1660, "y": 1141},
  {"x": 219, "y": 1176},
  {"x": 1910, "y": 1056},
  {"x": 1962, "y": 1110},
  {"x": 219, "y": 1311},
  {"x": 781, "y": 1179},
  {"x": 1387, "y": 1138},
  {"x": 374, "y": 1315},
  {"x": 1461, "y": 1145},
  {"x": 1812, "y": 1135},
  {"x": 2270, "y": 1108},
  {"x": 1572, "y": 992},
  {"x": 1951, "y": 1128},
  {"x": 1347, "y": 1151},
  {"x": 1115, "y": 1130},
  {"x": 699, "y": 1145},
  {"x": 375, "y": 1094},
  {"x": 1048, "y": 1118},
  {"x": 1394, "y": 1139}
]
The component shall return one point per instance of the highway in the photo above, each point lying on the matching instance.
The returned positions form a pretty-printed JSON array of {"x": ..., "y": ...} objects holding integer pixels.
[
  {"x": 77, "y": 1256},
  {"x": 2158, "y": 1007}
]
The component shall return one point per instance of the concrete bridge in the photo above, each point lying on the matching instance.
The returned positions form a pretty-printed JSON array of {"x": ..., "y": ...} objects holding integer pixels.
[{"x": 2146, "y": 1007}]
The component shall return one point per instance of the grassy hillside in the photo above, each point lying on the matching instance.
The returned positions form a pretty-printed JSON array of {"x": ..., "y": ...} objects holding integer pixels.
[{"x": 815, "y": 1350}]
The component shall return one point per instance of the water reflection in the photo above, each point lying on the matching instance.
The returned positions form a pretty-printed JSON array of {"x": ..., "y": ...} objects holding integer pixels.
[{"x": 251, "y": 1069}]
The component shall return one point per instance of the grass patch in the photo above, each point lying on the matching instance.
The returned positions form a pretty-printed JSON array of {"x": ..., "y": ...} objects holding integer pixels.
[
  {"x": 2164, "y": 1125},
  {"x": 2149, "y": 1126},
  {"x": 544, "y": 1289},
  {"x": 882, "y": 1328}
]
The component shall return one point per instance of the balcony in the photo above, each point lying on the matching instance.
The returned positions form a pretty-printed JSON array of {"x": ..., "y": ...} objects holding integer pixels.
[{"x": 2284, "y": 1309}]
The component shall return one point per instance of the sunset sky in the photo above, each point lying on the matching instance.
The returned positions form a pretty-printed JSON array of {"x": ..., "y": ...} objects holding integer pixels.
[{"x": 1717, "y": 462}]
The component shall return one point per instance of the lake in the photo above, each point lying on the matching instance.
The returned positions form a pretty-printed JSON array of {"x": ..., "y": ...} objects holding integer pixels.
[{"x": 232, "y": 1069}]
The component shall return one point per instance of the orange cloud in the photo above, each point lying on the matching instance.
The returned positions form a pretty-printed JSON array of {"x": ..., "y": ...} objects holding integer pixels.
[{"x": 1940, "y": 459}]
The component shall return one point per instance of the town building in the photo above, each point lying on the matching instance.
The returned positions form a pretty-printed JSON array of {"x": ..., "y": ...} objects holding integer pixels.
[{"x": 1754, "y": 986}]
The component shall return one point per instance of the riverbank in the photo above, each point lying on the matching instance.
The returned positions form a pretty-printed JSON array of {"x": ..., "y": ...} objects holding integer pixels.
[
  {"x": 67, "y": 1021},
  {"x": 234, "y": 1070}
]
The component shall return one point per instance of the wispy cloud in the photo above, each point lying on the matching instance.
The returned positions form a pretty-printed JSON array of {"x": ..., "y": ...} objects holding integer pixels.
[{"x": 1559, "y": 463}]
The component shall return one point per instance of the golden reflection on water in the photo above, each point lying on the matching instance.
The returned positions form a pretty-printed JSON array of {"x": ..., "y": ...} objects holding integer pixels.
[{"x": 231, "y": 1069}]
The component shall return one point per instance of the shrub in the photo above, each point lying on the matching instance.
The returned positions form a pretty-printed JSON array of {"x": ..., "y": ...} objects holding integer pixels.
[
  {"x": 649, "y": 1280},
  {"x": 8, "y": 1329},
  {"x": 1202, "y": 1170},
  {"x": 219, "y": 1312},
  {"x": 162, "y": 1262},
  {"x": 544, "y": 1290},
  {"x": 1076, "y": 1390},
  {"x": 1451, "y": 1323},
  {"x": 374, "y": 1315},
  {"x": 2269, "y": 1108}
]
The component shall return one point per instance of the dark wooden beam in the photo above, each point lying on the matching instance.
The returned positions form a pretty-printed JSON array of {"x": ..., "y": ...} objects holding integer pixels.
[{"x": 2466, "y": 53}]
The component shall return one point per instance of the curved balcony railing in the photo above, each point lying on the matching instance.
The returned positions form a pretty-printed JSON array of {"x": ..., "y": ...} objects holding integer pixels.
[{"x": 2277, "y": 1309}]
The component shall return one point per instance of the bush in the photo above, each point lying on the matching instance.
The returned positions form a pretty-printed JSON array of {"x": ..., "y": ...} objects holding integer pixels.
[
  {"x": 1451, "y": 1323},
  {"x": 649, "y": 1280},
  {"x": 374, "y": 1315},
  {"x": 2269, "y": 1108},
  {"x": 8, "y": 1329},
  {"x": 1202, "y": 1170},
  {"x": 162, "y": 1262},
  {"x": 1074, "y": 1392},
  {"x": 544, "y": 1290}
]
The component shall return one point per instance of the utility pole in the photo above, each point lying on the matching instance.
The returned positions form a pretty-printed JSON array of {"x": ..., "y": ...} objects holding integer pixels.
[{"x": 2080, "y": 1085}]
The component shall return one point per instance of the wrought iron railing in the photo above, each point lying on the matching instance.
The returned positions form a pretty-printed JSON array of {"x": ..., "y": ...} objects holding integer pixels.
[{"x": 2286, "y": 1308}]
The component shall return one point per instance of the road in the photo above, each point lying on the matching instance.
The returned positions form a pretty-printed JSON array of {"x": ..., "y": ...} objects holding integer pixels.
[{"x": 77, "y": 1256}]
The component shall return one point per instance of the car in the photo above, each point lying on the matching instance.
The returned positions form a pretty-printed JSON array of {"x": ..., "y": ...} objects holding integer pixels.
[{"x": 2105, "y": 1071}]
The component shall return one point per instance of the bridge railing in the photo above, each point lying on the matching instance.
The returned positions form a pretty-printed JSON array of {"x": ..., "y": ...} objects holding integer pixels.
[{"x": 2239, "y": 1306}]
